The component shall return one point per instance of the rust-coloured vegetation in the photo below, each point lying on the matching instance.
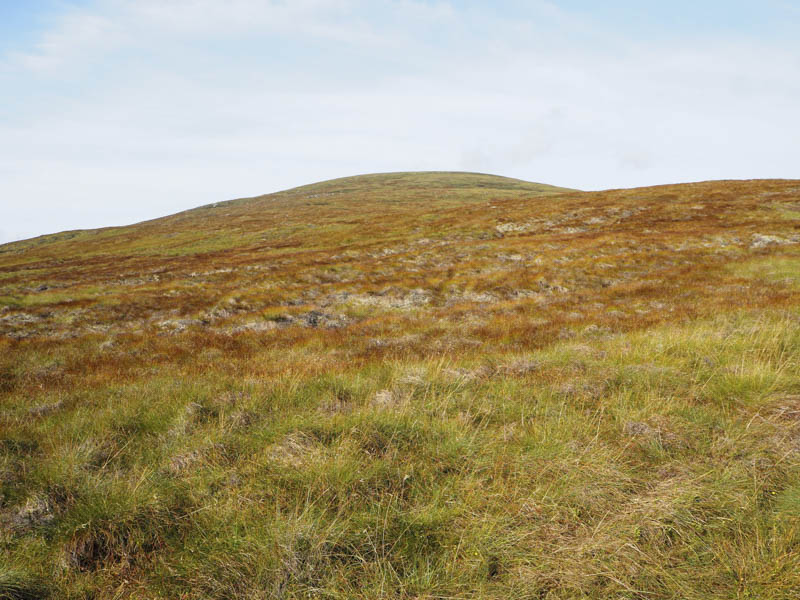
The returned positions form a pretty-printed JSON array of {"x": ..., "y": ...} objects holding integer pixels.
[{"x": 409, "y": 385}]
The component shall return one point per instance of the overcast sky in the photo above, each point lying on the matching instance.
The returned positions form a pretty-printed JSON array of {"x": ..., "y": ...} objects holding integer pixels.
[{"x": 116, "y": 111}]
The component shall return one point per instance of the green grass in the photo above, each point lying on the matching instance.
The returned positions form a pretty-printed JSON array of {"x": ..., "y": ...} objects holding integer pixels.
[
  {"x": 654, "y": 464},
  {"x": 538, "y": 427},
  {"x": 785, "y": 270}
]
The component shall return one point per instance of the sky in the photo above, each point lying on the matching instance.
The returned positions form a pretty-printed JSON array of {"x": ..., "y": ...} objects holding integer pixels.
[{"x": 118, "y": 111}]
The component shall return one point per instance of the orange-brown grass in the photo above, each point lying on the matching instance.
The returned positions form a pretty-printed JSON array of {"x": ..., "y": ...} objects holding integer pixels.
[{"x": 423, "y": 385}]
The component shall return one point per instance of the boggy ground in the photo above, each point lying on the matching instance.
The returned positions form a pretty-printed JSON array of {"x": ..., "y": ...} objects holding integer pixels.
[{"x": 427, "y": 385}]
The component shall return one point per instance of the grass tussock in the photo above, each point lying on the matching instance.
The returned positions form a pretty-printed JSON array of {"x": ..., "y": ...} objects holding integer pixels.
[{"x": 408, "y": 386}]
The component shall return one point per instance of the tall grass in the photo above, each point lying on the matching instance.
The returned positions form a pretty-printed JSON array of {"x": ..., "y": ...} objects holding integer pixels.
[{"x": 452, "y": 415}]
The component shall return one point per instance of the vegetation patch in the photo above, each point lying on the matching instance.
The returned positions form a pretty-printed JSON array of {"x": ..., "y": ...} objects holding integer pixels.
[{"x": 408, "y": 386}]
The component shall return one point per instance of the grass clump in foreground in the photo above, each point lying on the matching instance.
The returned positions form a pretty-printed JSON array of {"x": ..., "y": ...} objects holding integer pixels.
[
  {"x": 496, "y": 390},
  {"x": 652, "y": 464}
]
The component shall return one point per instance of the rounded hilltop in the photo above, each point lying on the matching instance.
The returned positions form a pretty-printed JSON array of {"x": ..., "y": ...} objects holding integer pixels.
[{"x": 389, "y": 185}]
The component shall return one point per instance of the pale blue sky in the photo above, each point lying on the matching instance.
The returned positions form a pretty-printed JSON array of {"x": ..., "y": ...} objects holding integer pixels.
[{"x": 115, "y": 111}]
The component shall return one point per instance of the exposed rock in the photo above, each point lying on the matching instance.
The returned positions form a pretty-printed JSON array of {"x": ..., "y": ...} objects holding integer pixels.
[
  {"x": 37, "y": 511},
  {"x": 45, "y": 409},
  {"x": 179, "y": 325},
  {"x": 520, "y": 294},
  {"x": 20, "y": 318},
  {"x": 478, "y": 297},
  {"x": 317, "y": 318},
  {"x": 513, "y": 227},
  {"x": 390, "y": 298},
  {"x": 760, "y": 240},
  {"x": 254, "y": 326},
  {"x": 552, "y": 287}
]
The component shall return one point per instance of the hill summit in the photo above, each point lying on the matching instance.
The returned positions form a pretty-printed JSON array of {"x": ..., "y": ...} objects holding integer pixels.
[
  {"x": 353, "y": 250},
  {"x": 411, "y": 385}
]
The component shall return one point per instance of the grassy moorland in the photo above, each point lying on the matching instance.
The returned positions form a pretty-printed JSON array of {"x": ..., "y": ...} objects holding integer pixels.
[{"x": 424, "y": 386}]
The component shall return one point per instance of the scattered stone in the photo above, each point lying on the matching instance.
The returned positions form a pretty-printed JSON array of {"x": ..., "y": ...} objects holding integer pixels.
[
  {"x": 174, "y": 326},
  {"x": 391, "y": 298},
  {"x": 20, "y": 318},
  {"x": 478, "y": 297},
  {"x": 37, "y": 511},
  {"x": 513, "y": 227},
  {"x": 760, "y": 240},
  {"x": 254, "y": 326},
  {"x": 552, "y": 287},
  {"x": 520, "y": 294},
  {"x": 45, "y": 409},
  {"x": 317, "y": 318}
]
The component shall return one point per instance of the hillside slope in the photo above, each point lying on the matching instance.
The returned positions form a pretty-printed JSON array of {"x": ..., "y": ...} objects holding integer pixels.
[{"x": 419, "y": 385}]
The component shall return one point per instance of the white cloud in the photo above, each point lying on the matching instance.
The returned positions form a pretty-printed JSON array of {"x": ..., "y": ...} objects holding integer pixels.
[
  {"x": 75, "y": 35},
  {"x": 137, "y": 109}
]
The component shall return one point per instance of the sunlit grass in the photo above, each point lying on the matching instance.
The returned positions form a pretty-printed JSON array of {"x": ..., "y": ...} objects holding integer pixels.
[
  {"x": 784, "y": 270},
  {"x": 364, "y": 389}
]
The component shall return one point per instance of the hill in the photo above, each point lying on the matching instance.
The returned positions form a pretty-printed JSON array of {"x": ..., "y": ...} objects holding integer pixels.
[{"x": 419, "y": 385}]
